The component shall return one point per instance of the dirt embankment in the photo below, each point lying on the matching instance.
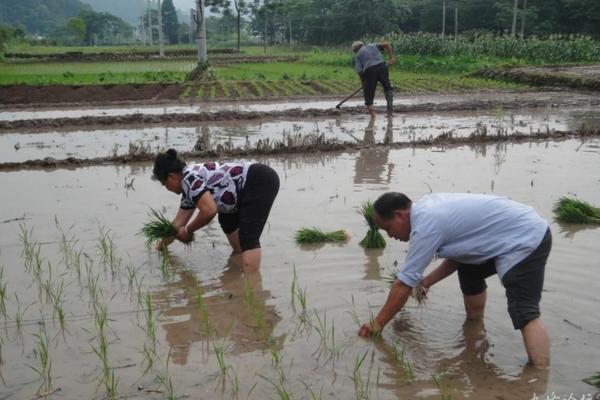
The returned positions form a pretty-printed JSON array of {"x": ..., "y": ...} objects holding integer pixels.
[
  {"x": 577, "y": 77},
  {"x": 74, "y": 94},
  {"x": 314, "y": 144}
]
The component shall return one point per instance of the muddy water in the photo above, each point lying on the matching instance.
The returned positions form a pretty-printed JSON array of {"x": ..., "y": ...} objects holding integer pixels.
[
  {"x": 266, "y": 105},
  {"x": 469, "y": 361},
  {"x": 22, "y": 145}
]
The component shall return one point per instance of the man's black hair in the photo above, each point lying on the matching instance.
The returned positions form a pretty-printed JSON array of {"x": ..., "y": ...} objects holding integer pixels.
[
  {"x": 389, "y": 202},
  {"x": 166, "y": 163}
]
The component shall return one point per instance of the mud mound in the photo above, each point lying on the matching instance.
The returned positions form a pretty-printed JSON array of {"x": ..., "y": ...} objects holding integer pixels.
[
  {"x": 577, "y": 77},
  {"x": 26, "y": 94},
  {"x": 311, "y": 145}
]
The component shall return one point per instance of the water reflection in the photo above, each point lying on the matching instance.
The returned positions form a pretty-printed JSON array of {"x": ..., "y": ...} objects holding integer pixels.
[
  {"x": 470, "y": 372},
  {"x": 235, "y": 306},
  {"x": 372, "y": 162}
]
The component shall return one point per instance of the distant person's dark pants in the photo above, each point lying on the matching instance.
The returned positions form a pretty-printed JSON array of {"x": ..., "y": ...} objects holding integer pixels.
[{"x": 370, "y": 77}]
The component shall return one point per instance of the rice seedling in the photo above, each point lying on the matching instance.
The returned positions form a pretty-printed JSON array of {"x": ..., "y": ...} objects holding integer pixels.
[
  {"x": 443, "y": 394},
  {"x": 2, "y": 293},
  {"x": 44, "y": 370},
  {"x": 19, "y": 315},
  {"x": 165, "y": 265},
  {"x": 408, "y": 371},
  {"x": 373, "y": 239},
  {"x": 203, "y": 313},
  {"x": 353, "y": 313},
  {"x": 219, "y": 346},
  {"x": 419, "y": 292},
  {"x": 293, "y": 289},
  {"x": 157, "y": 227},
  {"x": 361, "y": 388},
  {"x": 313, "y": 395},
  {"x": 327, "y": 344},
  {"x": 302, "y": 299},
  {"x": 593, "y": 380},
  {"x": 314, "y": 235},
  {"x": 94, "y": 290},
  {"x": 150, "y": 324},
  {"x": 149, "y": 355},
  {"x": 279, "y": 385},
  {"x": 57, "y": 298},
  {"x": 165, "y": 380},
  {"x": 274, "y": 351},
  {"x": 107, "y": 248},
  {"x": 574, "y": 211},
  {"x": 108, "y": 378},
  {"x": 255, "y": 307}
]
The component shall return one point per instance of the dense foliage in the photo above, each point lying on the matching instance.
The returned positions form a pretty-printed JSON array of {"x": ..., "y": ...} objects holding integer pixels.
[
  {"x": 326, "y": 22},
  {"x": 39, "y": 16},
  {"x": 128, "y": 10}
]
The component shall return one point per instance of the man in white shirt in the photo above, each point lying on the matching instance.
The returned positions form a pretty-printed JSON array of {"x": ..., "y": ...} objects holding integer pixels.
[{"x": 478, "y": 235}]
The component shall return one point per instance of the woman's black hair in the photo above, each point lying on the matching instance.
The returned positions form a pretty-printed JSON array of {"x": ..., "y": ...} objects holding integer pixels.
[
  {"x": 389, "y": 202},
  {"x": 166, "y": 163}
]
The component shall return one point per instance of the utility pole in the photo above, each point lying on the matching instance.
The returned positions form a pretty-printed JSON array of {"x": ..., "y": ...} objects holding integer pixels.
[
  {"x": 513, "y": 32},
  {"x": 443, "y": 18},
  {"x": 456, "y": 24},
  {"x": 523, "y": 19},
  {"x": 161, "y": 43},
  {"x": 149, "y": 24},
  {"x": 192, "y": 28},
  {"x": 200, "y": 20}
]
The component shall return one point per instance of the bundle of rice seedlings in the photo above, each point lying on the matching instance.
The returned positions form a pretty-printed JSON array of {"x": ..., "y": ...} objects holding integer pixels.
[
  {"x": 574, "y": 211},
  {"x": 158, "y": 227},
  {"x": 314, "y": 235},
  {"x": 373, "y": 239},
  {"x": 419, "y": 293},
  {"x": 593, "y": 380}
]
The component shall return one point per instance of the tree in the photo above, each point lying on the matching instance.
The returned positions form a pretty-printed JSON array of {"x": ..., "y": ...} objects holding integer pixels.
[
  {"x": 236, "y": 8},
  {"x": 76, "y": 28},
  {"x": 170, "y": 23},
  {"x": 104, "y": 28}
]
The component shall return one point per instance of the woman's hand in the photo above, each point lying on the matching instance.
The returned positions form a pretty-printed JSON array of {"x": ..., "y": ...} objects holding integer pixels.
[
  {"x": 164, "y": 243},
  {"x": 183, "y": 235}
]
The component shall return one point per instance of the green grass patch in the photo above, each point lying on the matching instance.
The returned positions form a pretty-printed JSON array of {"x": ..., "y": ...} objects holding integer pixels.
[{"x": 574, "y": 211}]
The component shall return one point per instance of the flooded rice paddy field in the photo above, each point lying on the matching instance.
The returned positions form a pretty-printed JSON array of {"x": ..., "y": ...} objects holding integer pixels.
[
  {"x": 23, "y": 145},
  {"x": 69, "y": 250}
]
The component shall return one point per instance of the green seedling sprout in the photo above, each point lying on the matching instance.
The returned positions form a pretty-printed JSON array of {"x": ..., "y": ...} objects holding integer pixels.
[
  {"x": 157, "y": 228},
  {"x": 44, "y": 370},
  {"x": 373, "y": 239},
  {"x": 314, "y": 235},
  {"x": 574, "y": 211}
]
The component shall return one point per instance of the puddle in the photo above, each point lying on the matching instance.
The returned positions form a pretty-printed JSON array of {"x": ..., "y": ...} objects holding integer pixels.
[
  {"x": 22, "y": 145},
  {"x": 268, "y": 346}
]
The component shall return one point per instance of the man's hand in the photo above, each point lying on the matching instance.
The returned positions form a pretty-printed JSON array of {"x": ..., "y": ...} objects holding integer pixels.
[
  {"x": 391, "y": 61},
  {"x": 183, "y": 235},
  {"x": 369, "y": 329}
]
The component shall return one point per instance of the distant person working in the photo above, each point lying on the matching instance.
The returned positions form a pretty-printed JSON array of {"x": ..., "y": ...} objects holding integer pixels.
[{"x": 371, "y": 68}]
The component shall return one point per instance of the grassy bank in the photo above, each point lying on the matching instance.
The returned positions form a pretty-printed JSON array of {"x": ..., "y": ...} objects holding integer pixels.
[{"x": 408, "y": 75}]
